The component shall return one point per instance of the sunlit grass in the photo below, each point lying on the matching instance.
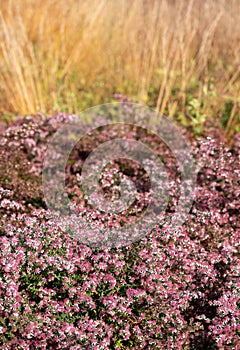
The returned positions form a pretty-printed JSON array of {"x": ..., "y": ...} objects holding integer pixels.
[{"x": 58, "y": 55}]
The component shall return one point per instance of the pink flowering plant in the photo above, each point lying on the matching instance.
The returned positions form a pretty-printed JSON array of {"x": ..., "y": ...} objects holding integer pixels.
[{"x": 171, "y": 289}]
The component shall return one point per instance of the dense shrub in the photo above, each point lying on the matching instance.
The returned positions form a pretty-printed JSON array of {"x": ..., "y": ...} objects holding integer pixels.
[{"x": 170, "y": 290}]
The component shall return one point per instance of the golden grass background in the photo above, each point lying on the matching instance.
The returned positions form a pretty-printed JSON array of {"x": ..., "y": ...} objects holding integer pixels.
[{"x": 180, "y": 57}]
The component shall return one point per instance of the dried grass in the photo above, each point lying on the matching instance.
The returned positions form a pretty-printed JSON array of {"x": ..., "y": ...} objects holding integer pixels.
[{"x": 70, "y": 55}]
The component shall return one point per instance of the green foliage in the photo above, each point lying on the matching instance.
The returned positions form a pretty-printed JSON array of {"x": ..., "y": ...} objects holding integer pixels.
[{"x": 194, "y": 116}]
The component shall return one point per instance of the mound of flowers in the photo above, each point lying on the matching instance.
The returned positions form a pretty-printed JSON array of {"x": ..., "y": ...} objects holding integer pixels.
[{"x": 169, "y": 290}]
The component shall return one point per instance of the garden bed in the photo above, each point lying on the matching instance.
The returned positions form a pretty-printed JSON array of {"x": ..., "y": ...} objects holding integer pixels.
[{"x": 170, "y": 290}]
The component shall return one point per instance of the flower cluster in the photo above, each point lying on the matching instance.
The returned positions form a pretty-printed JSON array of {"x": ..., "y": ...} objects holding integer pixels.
[{"x": 170, "y": 290}]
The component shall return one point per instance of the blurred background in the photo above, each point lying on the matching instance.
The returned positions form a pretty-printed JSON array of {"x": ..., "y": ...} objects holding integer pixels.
[{"x": 181, "y": 57}]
